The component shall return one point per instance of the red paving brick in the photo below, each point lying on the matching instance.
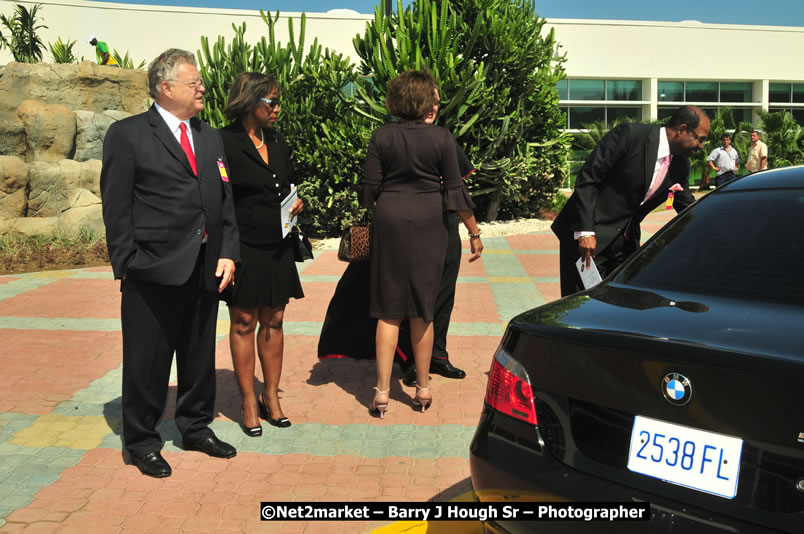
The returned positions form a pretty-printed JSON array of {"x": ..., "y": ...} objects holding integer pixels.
[
  {"x": 79, "y": 299},
  {"x": 42, "y": 368},
  {"x": 540, "y": 265},
  {"x": 474, "y": 303},
  {"x": 533, "y": 242}
]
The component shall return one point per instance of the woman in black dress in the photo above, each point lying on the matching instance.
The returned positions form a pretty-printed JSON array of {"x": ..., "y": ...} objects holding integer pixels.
[
  {"x": 259, "y": 162},
  {"x": 412, "y": 173}
]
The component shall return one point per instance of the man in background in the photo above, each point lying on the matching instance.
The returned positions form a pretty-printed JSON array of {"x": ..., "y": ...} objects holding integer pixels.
[
  {"x": 628, "y": 174},
  {"x": 758, "y": 156},
  {"x": 725, "y": 161},
  {"x": 102, "y": 51}
]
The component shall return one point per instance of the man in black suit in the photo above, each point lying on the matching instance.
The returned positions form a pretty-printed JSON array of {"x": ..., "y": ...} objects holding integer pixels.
[
  {"x": 173, "y": 243},
  {"x": 628, "y": 174}
]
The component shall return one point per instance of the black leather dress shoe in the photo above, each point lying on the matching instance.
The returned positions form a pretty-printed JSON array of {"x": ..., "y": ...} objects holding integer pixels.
[
  {"x": 152, "y": 464},
  {"x": 211, "y": 446},
  {"x": 409, "y": 379},
  {"x": 443, "y": 367}
]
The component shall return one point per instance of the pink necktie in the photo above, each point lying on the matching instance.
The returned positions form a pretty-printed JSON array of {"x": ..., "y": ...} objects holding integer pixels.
[
  {"x": 185, "y": 145},
  {"x": 654, "y": 186}
]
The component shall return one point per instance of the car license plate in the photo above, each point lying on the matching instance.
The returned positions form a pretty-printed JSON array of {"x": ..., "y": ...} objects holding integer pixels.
[{"x": 704, "y": 461}]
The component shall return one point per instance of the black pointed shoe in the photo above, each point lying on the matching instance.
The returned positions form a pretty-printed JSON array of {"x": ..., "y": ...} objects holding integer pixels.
[
  {"x": 282, "y": 422},
  {"x": 443, "y": 367},
  {"x": 211, "y": 446},
  {"x": 152, "y": 464},
  {"x": 251, "y": 431}
]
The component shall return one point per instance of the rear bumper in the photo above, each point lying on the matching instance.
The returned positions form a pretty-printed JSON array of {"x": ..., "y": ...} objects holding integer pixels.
[{"x": 509, "y": 462}]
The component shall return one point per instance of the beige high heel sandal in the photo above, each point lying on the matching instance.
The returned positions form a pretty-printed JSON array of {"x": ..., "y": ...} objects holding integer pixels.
[
  {"x": 423, "y": 402},
  {"x": 379, "y": 406}
]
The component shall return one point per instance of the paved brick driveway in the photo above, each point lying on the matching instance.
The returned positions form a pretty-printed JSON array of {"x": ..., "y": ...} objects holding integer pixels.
[{"x": 61, "y": 468}]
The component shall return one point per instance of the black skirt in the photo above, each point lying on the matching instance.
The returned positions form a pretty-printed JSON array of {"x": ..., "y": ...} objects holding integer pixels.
[{"x": 266, "y": 277}]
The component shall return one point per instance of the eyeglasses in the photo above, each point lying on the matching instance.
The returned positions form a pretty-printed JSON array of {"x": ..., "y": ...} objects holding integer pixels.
[
  {"x": 271, "y": 102},
  {"x": 699, "y": 139},
  {"x": 194, "y": 85}
]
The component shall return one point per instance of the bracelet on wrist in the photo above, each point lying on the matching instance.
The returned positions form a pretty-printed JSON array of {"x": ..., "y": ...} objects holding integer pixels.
[{"x": 479, "y": 231}]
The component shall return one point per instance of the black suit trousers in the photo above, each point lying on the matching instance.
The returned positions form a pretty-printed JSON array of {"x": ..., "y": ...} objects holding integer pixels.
[
  {"x": 157, "y": 321},
  {"x": 445, "y": 300},
  {"x": 606, "y": 261}
]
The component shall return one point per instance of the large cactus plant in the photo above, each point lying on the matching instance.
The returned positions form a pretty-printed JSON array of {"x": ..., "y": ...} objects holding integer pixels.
[
  {"x": 327, "y": 136},
  {"x": 497, "y": 69}
]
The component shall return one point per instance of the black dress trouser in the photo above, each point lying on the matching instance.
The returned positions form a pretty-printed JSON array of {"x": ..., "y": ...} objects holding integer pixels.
[
  {"x": 157, "y": 321},
  {"x": 606, "y": 261},
  {"x": 445, "y": 300}
]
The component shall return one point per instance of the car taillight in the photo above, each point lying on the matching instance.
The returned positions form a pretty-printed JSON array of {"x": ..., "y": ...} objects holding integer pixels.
[{"x": 509, "y": 388}]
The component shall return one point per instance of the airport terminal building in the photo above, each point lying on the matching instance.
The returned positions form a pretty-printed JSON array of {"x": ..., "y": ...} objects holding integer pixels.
[{"x": 614, "y": 67}]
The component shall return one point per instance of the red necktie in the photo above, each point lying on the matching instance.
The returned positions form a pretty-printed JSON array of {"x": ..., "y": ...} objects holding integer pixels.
[{"x": 188, "y": 149}]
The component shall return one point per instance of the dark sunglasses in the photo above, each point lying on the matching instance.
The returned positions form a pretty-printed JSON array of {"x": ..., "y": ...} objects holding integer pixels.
[{"x": 272, "y": 102}]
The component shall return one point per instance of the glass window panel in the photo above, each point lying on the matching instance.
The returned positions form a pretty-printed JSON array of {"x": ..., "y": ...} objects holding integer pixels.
[
  {"x": 710, "y": 112},
  {"x": 624, "y": 90},
  {"x": 798, "y": 92},
  {"x": 562, "y": 89},
  {"x": 748, "y": 259},
  {"x": 587, "y": 90},
  {"x": 613, "y": 114},
  {"x": 665, "y": 113},
  {"x": 798, "y": 114},
  {"x": 736, "y": 91},
  {"x": 779, "y": 92},
  {"x": 671, "y": 91},
  {"x": 740, "y": 115},
  {"x": 579, "y": 117},
  {"x": 701, "y": 92}
]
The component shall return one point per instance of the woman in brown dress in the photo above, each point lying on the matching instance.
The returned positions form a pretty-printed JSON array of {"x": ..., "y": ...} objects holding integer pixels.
[
  {"x": 412, "y": 173},
  {"x": 266, "y": 279}
]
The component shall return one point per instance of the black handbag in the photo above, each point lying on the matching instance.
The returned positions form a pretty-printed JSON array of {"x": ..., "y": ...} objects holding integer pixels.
[{"x": 302, "y": 248}]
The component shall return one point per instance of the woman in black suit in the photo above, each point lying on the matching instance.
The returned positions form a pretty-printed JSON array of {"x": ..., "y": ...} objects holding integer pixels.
[{"x": 259, "y": 162}]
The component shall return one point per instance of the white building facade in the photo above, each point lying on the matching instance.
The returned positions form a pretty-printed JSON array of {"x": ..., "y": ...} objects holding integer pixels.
[{"x": 614, "y": 68}]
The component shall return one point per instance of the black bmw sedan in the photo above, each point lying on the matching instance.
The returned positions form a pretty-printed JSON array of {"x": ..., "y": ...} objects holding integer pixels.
[{"x": 678, "y": 380}]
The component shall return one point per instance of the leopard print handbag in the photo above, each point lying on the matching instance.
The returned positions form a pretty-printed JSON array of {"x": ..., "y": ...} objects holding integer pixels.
[{"x": 355, "y": 244}]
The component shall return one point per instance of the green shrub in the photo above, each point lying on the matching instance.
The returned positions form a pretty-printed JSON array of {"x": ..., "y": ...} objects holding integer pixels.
[
  {"x": 126, "y": 62},
  {"x": 497, "y": 71},
  {"x": 20, "y": 37},
  {"x": 62, "y": 52},
  {"x": 326, "y": 133}
]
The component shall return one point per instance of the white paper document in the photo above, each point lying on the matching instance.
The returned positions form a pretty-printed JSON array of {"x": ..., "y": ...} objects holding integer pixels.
[
  {"x": 589, "y": 275},
  {"x": 288, "y": 222}
]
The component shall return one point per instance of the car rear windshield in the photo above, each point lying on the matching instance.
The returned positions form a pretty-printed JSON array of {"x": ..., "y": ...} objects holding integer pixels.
[{"x": 741, "y": 244}]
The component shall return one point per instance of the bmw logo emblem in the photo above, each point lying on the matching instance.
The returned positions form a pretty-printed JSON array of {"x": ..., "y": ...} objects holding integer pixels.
[{"x": 677, "y": 389}]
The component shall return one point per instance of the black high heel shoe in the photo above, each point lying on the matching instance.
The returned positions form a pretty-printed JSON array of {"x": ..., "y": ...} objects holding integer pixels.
[
  {"x": 282, "y": 422},
  {"x": 252, "y": 431}
]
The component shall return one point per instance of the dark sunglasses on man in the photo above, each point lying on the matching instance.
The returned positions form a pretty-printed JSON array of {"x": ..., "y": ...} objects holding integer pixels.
[{"x": 270, "y": 102}]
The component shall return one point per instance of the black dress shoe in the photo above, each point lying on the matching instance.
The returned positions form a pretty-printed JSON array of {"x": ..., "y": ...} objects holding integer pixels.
[
  {"x": 409, "y": 379},
  {"x": 442, "y": 366},
  {"x": 152, "y": 464},
  {"x": 211, "y": 446}
]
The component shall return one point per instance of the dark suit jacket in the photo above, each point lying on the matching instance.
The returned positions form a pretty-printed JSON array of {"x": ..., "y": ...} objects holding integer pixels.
[
  {"x": 613, "y": 182},
  {"x": 258, "y": 188},
  {"x": 154, "y": 207}
]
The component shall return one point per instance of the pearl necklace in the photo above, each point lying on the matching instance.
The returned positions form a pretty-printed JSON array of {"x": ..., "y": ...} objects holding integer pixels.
[{"x": 262, "y": 140}]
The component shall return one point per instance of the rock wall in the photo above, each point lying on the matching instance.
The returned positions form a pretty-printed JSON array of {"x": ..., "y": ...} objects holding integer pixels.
[{"x": 53, "y": 119}]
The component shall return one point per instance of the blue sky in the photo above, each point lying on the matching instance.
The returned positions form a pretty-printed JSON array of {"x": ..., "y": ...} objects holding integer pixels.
[{"x": 770, "y": 12}]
